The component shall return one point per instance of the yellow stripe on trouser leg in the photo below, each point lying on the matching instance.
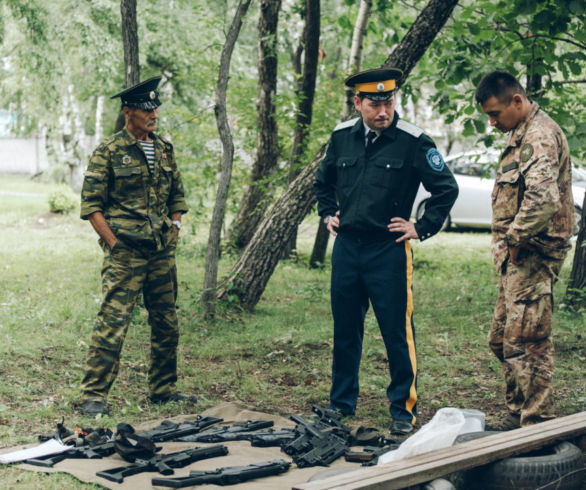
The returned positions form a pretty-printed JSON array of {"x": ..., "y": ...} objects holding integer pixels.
[{"x": 409, "y": 329}]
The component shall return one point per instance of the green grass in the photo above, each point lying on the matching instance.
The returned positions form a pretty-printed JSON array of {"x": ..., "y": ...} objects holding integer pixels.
[{"x": 276, "y": 359}]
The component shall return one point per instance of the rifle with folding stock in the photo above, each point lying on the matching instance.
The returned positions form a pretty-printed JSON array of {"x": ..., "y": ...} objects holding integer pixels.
[
  {"x": 228, "y": 432},
  {"x": 163, "y": 463},
  {"x": 228, "y": 475},
  {"x": 169, "y": 430}
]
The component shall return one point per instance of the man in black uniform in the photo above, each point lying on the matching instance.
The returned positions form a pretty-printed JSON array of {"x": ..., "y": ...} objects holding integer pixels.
[{"x": 365, "y": 188}]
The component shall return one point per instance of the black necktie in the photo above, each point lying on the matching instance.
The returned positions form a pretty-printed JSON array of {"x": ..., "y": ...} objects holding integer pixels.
[{"x": 370, "y": 139}]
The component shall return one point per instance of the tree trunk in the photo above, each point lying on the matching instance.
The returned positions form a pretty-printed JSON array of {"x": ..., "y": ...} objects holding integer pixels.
[
  {"x": 213, "y": 249},
  {"x": 257, "y": 263},
  {"x": 252, "y": 272},
  {"x": 576, "y": 292},
  {"x": 130, "y": 45},
  {"x": 305, "y": 96},
  {"x": 421, "y": 34},
  {"x": 320, "y": 246},
  {"x": 322, "y": 236},
  {"x": 255, "y": 199},
  {"x": 356, "y": 52}
]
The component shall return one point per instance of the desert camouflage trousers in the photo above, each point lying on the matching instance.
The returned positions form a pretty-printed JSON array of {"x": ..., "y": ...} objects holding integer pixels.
[
  {"x": 521, "y": 337},
  {"x": 125, "y": 273}
]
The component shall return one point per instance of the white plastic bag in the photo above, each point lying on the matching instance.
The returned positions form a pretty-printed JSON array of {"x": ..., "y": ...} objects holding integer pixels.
[{"x": 438, "y": 433}]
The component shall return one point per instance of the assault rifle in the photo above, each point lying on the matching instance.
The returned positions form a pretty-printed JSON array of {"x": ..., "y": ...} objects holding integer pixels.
[
  {"x": 257, "y": 438},
  {"x": 228, "y": 475},
  {"x": 163, "y": 463},
  {"x": 169, "y": 430},
  {"x": 228, "y": 432}
]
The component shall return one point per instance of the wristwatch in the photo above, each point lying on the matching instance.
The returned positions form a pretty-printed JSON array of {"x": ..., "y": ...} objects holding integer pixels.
[
  {"x": 327, "y": 219},
  {"x": 176, "y": 224}
]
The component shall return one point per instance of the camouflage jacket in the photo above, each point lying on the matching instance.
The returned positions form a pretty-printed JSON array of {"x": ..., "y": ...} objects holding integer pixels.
[
  {"x": 136, "y": 204},
  {"x": 532, "y": 200}
]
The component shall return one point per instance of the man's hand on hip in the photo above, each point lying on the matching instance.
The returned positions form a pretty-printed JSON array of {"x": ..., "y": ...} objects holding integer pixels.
[
  {"x": 332, "y": 223},
  {"x": 400, "y": 225}
]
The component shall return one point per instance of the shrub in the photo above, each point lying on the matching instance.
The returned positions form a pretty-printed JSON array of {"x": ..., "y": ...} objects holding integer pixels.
[{"x": 62, "y": 200}]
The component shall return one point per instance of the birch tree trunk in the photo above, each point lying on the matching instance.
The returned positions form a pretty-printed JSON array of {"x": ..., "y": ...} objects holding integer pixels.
[
  {"x": 253, "y": 270},
  {"x": 254, "y": 202},
  {"x": 213, "y": 249},
  {"x": 356, "y": 51}
]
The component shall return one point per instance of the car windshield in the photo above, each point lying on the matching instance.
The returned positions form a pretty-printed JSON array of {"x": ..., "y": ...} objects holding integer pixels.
[{"x": 474, "y": 165}]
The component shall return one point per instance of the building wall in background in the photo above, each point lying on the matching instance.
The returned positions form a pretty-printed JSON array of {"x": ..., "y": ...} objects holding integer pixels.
[{"x": 23, "y": 155}]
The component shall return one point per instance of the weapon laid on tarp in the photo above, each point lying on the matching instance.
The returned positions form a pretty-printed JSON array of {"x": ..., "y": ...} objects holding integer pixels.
[
  {"x": 319, "y": 442},
  {"x": 326, "y": 417},
  {"x": 257, "y": 438},
  {"x": 170, "y": 431},
  {"x": 229, "y": 475},
  {"x": 271, "y": 437},
  {"x": 163, "y": 463},
  {"x": 85, "y": 444},
  {"x": 369, "y": 455},
  {"x": 99, "y": 449},
  {"x": 221, "y": 434}
]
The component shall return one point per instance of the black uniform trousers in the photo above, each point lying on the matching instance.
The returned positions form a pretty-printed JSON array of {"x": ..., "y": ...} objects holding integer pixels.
[{"x": 379, "y": 271}]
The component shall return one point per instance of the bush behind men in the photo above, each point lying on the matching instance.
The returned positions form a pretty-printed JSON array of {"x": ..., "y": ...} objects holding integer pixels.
[
  {"x": 133, "y": 197},
  {"x": 532, "y": 222}
]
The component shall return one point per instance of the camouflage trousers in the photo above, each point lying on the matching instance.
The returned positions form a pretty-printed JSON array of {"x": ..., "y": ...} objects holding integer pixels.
[
  {"x": 125, "y": 273},
  {"x": 521, "y": 337}
]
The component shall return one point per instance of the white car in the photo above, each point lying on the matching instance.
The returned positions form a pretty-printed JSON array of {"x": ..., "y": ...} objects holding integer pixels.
[{"x": 475, "y": 176}]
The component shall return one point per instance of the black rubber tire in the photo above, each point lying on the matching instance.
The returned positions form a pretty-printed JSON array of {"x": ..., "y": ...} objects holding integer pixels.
[{"x": 560, "y": 466}]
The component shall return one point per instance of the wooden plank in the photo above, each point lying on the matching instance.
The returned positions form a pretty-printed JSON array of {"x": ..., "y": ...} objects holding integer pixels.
[{"x": 428, "y": 466}]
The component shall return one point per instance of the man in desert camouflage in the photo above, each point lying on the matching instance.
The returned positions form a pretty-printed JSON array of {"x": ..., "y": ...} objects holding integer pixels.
[
  {"x": 133, "y": 197},
  {"x": 532, "y": 222}
]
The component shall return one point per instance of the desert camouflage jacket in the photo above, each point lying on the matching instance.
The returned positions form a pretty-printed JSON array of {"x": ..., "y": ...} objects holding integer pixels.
[
  {"x": 136, "y": 204},
  {"x": 532, "y": 198}
]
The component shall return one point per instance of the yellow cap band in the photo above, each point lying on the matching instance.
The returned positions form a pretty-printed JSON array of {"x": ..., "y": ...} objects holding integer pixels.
[{"x": 382, "y": 86}]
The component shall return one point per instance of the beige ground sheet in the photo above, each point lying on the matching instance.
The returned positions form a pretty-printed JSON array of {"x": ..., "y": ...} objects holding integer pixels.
[{"x": 240, "y": 453}]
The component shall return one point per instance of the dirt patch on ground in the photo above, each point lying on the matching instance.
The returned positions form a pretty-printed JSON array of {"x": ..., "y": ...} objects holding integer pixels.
[{"x": 46, "y": 220}]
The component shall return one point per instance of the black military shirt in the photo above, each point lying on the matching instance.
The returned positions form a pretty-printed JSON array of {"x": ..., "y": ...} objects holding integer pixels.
[{"x": 369, "y": 187}]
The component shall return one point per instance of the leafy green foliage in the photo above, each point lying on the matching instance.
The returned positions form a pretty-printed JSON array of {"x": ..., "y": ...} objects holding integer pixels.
[
  {"x": 62, "y": 200},
  {"x": 527, "y": 38}
]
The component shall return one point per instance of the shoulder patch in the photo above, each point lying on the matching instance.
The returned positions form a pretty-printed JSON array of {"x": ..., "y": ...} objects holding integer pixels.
[
  {"x": 435, "y": 160},
  {"x": 526, "y": 152},
  {"x": 413, "y": 130},
  {"x": 346, "y": 124}
]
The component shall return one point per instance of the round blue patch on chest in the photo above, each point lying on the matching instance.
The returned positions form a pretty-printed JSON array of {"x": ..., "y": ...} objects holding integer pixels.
[{"x": 435, "y": 160}]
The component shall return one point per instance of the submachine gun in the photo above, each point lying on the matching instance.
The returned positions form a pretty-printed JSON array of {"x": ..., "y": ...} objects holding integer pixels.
[
  {"x": 319, "y": 442},
  {"x": 228, "y": 475}
]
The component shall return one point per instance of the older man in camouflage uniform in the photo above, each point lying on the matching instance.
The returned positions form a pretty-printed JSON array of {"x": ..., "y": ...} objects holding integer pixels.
[
  {"x": 532, "y": 222},
  {"x": 133, "y": 197}
]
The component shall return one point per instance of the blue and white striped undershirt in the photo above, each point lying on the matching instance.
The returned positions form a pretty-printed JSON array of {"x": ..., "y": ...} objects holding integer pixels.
[{"x": 149, "y": 150}]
